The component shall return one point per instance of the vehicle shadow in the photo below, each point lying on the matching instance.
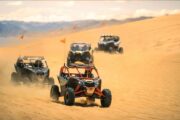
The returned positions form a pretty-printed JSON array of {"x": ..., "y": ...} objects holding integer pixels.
[{"x": 79, "y": 104}]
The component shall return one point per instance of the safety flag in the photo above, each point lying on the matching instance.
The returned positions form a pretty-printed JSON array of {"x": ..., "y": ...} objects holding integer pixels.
[
  {"x": 63, "y": 40},
  {"x": 21, "y": 37},
  {"x": 75, "y": 27},
  {"x": 103, "y": 24}
]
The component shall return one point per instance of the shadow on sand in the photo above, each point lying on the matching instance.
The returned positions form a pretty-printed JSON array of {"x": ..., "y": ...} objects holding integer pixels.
[{"x": 82, "y": 104}]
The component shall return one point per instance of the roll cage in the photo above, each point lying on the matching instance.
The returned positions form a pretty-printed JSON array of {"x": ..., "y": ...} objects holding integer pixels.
[
  {"x": 65, "y": 71},
  {"x": 80, "y": 47},
  {"x": 106, "y": 38},
  {"x": 30, "y": 61}
]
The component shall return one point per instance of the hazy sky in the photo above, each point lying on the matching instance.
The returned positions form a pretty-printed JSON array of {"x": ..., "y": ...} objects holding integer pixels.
[{"x": 46, "y": 11}]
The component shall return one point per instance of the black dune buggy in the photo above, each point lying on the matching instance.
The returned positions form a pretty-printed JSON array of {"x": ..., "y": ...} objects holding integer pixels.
[
  {"x": 80, "y": 81},
  {"x": 110, "y": 44},
  {"x": 80, "y": 52},
  {"x": 31, "y": 69}
]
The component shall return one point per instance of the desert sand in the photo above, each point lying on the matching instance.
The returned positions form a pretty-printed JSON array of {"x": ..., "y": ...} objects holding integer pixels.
[{"x": 145, "y": 80}]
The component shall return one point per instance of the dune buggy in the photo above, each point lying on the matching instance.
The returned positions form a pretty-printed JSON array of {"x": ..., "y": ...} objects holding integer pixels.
[
  {"x": 80, "y": 52},
  {"x": 31, "y": 69},
  {"x": 110, "y": 44},
  {"x": 80, "y": 81}
]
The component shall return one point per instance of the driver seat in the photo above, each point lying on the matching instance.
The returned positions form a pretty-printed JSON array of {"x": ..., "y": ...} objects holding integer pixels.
[{"x": 38, "y": 63}]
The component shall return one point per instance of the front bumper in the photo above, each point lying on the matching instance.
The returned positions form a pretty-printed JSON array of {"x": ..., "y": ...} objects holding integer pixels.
[{"x": 88, "y": 89}]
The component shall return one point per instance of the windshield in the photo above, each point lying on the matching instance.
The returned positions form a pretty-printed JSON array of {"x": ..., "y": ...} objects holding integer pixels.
[
  {"x": 82, "y": 73},
  {"x": 106, "y": 38},
  {"x": 79, "y": 47},
  {"x": 35, "y": 63}
]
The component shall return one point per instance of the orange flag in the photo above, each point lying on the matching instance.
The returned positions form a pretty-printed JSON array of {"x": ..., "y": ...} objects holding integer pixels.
[
  {"x": 103, "y": 24},
  {"x": 75, "y": 27},
  {"x": 21, "y": 37},
  {"x": 63, "y": 41}
]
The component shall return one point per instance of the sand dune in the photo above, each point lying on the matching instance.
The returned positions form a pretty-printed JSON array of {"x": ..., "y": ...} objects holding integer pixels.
[{"x": 145, "y": 80}]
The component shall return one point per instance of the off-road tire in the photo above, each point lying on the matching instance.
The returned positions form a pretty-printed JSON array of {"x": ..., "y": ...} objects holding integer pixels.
[
  {"x": 106, "y": 99},
  {"x": 15, "y": 78},
  {"x": 121, "y": 50},
  {"x": 54, "y": 92},
  {"x": 26, "y": 80},
  {"x": 51, "y": 81},
  {"x": 69, "y": 96},
  {"x": 111, "y": 49}
]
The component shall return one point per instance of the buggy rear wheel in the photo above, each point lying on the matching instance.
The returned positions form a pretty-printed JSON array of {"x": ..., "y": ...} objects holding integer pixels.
[
  {"x": 69, "y": 96},
  {"x": 111, "y": 49},
  {"x": 120, "y": 50},
  {"x": 106, "y": 99},
  {"x": 54, "y": 93},
  {"x": 26, "y": 80},
  {"x": 51, "y": 81},
  {"x": 14, "y": 78}
]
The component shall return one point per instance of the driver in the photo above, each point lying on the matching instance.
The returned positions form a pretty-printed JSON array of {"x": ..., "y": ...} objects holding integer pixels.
[
  {"x": 88, "y": 73},
  {"x": 20, "y": 62},
  {"x": 38, "y": 63},
  {"x": 77, "y": 48}
]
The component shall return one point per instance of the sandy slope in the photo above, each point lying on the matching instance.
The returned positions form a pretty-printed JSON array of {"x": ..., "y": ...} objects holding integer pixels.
[{"x": 145, "y": 80}]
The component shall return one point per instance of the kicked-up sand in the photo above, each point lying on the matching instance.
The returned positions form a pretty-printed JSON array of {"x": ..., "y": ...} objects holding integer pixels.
[{"x": 144, "y": 81}]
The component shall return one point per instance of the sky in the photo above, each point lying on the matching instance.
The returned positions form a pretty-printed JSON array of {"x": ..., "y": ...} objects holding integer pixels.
[{"x": 52, "y": 11}]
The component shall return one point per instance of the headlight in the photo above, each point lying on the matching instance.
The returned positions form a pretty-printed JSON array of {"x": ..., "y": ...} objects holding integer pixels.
[
  {"x": 116, "y": 43},
  {"x": 79, "y": 52},
  {"x": 96, "y": 83},
  {"x": 81, "y": 83}
]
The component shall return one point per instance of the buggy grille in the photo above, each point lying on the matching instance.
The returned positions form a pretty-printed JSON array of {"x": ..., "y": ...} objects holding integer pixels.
[
  {"x": 89, "y": 84},
  {"x": 40, "y": 73}
]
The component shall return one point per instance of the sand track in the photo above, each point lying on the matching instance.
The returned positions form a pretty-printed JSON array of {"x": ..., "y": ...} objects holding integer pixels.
[{"x": 144, "y": 80}]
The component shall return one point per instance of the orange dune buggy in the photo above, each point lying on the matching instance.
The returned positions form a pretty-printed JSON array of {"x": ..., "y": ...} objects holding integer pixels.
[{"x": 80, "y": 81}]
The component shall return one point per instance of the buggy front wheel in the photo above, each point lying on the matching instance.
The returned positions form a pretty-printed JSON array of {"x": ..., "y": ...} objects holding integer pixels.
[
  {"x": 14, "y": 78},
  {"x": 54, "y": 93},
  {"x": 120, "y": 50},
  {"x": 106, "y": 99},
  {"x": 51, "y": 81},
  {"x": 69, "y": 96},
  {"x": 26, "y": 81},
  {"x": 111, "y": 49}
]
